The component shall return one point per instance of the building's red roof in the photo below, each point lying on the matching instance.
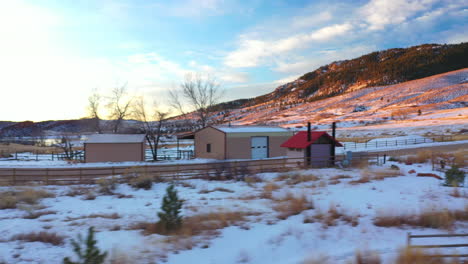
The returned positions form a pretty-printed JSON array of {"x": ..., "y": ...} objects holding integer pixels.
[{"x": 299, "y": 140}]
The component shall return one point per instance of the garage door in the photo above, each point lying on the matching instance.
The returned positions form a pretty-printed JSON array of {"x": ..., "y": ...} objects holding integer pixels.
[
  {"x": 320, "y": 154},
  {"x": 259, "y": 146}
]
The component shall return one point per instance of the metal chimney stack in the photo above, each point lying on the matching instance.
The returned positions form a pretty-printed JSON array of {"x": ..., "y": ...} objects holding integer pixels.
[
  {"x": 309, "y": 133},
  {"x": 332, "y": 161}
]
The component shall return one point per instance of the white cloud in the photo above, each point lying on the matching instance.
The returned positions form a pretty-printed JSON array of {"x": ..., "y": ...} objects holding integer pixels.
[
  {"x": 380, "y": 13},
  {"x": 287, "y": 79},
  {"x": 193, "y": 8},
  {"x": 252, "y": 51}
]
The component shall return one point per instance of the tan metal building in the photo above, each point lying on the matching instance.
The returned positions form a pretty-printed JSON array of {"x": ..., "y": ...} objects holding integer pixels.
[
  {"x": 115, "y": 148},
  {"x": 240, "y": 142}
]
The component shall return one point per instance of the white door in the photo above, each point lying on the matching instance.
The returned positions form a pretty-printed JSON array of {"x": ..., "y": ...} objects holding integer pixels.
[{"x": 259, "y": 146}]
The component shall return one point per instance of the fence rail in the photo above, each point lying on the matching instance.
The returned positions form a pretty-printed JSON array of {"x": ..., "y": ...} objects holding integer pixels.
[
  {"x": 409, "y": 237},
  {"x": 226, "y": 169},
  {"x": 382, "y": 143}
]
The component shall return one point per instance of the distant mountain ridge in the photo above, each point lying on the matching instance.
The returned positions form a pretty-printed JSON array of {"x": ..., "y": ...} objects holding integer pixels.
[{"x": 378, "y": 68}]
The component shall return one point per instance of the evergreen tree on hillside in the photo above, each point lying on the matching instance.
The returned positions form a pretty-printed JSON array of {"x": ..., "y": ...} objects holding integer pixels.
[{"x": 170, "y": 217}]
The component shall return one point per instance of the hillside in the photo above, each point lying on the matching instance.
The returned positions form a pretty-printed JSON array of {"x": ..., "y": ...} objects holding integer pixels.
[
  {"x": 381, "y": 105},
  {"x": 379, "y": 68}
]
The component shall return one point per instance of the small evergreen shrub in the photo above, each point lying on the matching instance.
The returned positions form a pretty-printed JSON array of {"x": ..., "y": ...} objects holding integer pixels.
[
  {"x": 170, "y": 218},
  {"x": 454, "y": 177},
  {"x": 90, "y": 255}
]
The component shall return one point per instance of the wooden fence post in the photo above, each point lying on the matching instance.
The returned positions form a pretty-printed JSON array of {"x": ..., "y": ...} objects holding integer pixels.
[
  {"x": 47, "y": 176},
  {"x": 14, "y": 176},
  {"x": 408, "y": 239},
  {"x": 81, "y": 174}
]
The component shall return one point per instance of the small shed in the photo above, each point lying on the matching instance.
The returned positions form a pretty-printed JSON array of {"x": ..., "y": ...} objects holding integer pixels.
[
  {"x": 115, "y": 148},
  {"x": 318, "y": 146},
  {"x": 240, "y": 142}
]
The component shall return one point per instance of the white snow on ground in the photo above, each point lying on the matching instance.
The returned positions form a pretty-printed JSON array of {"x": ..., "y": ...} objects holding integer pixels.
[{"x": 263, "y": 239}]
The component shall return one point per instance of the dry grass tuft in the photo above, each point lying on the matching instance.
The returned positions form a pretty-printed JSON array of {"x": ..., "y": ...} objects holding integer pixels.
[
  {"x": 218, "y": 189},
  {"x": 367, "y": 257},
  {"x": 291, "y": 205},
  {"x": 268, "y": 190},
  {"x": 35, "y": 215},
  {"x": 443, "y": 219},
  {"x": 460, "y": 158},
  {"x": 142, "y": 182},
  {"x": 363, "y": 179},
  {"x": 331, "y": 217},
  {"x": 202, "y": 224},
  {"x": 44, "y": 237},
  {"x": 107, "y": 185},
  {"x": 11, "y": 199},
  {"x": 298, "y": 178},
  {"x": 388, "y": 173},
  {"x": 418, "y": 256},
  {"x": 340, "y": 176}
]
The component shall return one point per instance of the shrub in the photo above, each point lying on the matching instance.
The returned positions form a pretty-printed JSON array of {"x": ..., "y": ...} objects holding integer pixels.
[
  {"x": 290, "y": 205},
  {"x": 107, "y": 185},
  {"x": 44, "y": 237},
  {"x": 10, "y": 199},
  {"x": 454, "y": 177},
  {"x": 142, "y": 182},
  {"x": 89, "y": 255},
  {"x": 170, "y": 216}
]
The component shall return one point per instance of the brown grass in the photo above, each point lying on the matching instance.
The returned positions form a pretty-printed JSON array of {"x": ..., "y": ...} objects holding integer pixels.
[
  {"x": 386, "y": 173},
  {"x": 418, "y": 256},
  {"x": 35, "y": 215},
  {"x": 201, "y": 224},
  {"x": 268, "y": 190},
  {"x": 11, "y": 199},
  {"x": 443, "y": 219},
  {"x": 218, "y": 189},
  {"x": 460, "y": 158},
  {"x": 44, "y": 237},
  {"x": 367, "y": 257},
  {"x": 291, "y": 205},
  {"x": 13, "y": 147},
  {"x": 340, "y": 176},
  {"x": 331, "y": 217},
  {"x": 362, "y": 179},
  {"x": 107, "y": 185},
  {"x": 105, "y": 216},
  {"x": 297, "y": 178}
]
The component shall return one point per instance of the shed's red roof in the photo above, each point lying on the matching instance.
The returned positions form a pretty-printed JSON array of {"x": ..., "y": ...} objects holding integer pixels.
[{"x": 299, "y": 140}]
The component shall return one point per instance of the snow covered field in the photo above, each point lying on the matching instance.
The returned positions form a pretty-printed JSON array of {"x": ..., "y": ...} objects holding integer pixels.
[{"x": 259, "y": 219}]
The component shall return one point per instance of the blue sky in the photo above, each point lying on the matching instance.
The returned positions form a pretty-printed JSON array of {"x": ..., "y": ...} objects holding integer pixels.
[{"x": 54, "y": 53}]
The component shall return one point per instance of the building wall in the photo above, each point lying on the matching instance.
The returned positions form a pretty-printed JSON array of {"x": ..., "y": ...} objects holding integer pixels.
[
  {"x": 295, "y": 153},
  {"x": 114, "y": 152},
  {"x": 211, "y": 136},
  {"x": 238, "y": 145}
]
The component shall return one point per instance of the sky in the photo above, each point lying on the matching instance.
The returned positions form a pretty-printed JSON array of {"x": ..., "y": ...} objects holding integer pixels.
[{"x": 54, "y": 53}]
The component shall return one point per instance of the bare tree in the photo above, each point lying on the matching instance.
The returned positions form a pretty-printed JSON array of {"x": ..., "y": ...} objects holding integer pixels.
[
  {"x": 152, "y": 123},
  {"x": 200, "y": 94},
  {"x": 65, "y": 143},
  {"x": 119, "y": 106},
  {"x": 94, "y": 104}
]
